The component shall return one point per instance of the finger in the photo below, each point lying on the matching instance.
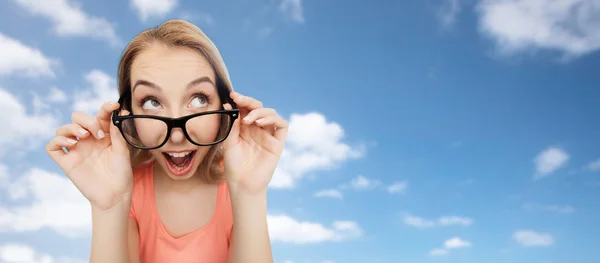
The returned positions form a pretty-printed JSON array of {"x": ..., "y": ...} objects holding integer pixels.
[
  {"x": 258, "y": 114},
  {"x": 54, "y": 148},
  {"x": 246, "y": 102},
  {"x": 274, "y": 123},
  {"x": 118, "y": 143},
  {"x": 72, "y": 130},
  {"x": 234, "y": 134},
  {"x": 89, "y": 123},
  {"x": 104, "y": 114}
]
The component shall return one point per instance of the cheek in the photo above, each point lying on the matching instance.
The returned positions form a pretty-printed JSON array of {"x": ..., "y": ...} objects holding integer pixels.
[
  {"x": 205, "y": 129},
  {"x": 151, "y": 132}
]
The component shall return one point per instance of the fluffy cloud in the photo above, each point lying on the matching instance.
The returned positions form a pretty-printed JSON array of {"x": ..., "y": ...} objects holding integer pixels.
[
  {"x": 292, "y": 9},
  {"x": 69, "y": 20},
  {"x": 103, "y": 88},
  {"x": 363, "y": 183},
  {"x": 438, "y": 252},
  {"x": 452, "y": 243},
  {"x": 561, "y": 209},
  {"x": 20, "y": 128},
  {"x": 313, "y": 144},
  {"x": 21, "y": 253},
  {"x": 398, "y": 187},
  {"x": 283, "y": 228},
  {"x": 20, "y": 59},
  {"x": 549, "y": 161},
  {"x": 55, "y": 204},
  {"x": 447, "y": 12},
  {"x": 570, "y": 27},
  {"x": 422, "y": 223},
  {"x": 594, "y": 166},
  {"x": 529, "y": 238},
  {"x": 153, "y": 8},
  {"x": 333, "y": 193},
  {"x": 456, "y": 242},
  {"x": 56, "y": 95}
]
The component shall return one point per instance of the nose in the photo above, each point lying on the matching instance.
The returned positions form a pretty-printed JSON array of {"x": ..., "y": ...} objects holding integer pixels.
[{"x": 177, "y": 136}]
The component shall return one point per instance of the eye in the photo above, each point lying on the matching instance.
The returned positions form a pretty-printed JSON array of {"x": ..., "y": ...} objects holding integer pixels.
[
  {"x": 150, "y": 104},
  {"x": 199, "y": 101}
]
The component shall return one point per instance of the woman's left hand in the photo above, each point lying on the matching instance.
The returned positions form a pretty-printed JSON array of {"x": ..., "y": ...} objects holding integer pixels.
[{"x": 254, "y": 146}]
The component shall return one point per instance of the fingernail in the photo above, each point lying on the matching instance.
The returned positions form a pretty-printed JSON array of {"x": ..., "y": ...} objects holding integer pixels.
[
  {"x": 100, "y": 134},
  {"x": 247, "y": 118},
  {"x": 82, "y": 132},
  {"x": 260, "y": 120},
  {"x": 71, "y": 141}
]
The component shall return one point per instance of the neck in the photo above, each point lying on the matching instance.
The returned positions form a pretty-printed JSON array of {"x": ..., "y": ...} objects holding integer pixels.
[{"x": 167, "y": 182}]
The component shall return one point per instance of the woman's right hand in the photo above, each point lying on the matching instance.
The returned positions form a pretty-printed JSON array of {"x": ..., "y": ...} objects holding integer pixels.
[{"x": 98, "y": 163}]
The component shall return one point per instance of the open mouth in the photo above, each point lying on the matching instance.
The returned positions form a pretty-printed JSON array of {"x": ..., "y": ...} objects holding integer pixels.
[{"x": 180, "y": 163}]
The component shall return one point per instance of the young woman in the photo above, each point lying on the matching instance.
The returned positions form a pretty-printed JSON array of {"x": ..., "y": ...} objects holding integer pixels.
[{"x": 177, "y": 170}]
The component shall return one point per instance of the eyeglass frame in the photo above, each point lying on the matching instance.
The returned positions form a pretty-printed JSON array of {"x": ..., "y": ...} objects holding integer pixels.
[{"x": 171, "y": 123}]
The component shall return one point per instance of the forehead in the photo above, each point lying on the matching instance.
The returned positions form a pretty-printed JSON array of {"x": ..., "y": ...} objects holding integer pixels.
[{"x": 170, "y": 65}]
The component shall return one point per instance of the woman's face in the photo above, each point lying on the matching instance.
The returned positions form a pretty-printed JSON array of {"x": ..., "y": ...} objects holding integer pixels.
[{"x": 175, "y": 82}]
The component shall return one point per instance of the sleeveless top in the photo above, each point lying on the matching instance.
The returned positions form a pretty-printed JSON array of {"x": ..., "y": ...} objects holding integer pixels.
[{"x": 207, "y": 244}]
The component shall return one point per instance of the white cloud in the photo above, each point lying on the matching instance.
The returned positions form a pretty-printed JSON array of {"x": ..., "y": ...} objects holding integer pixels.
[
  {"x": 549, "y": 161},
  {"x": 570, "y": 27},
  {"x": 456, "y": 242},
  {"x": 103, "y": 88},
  {"x": 56, "y": 95},
  {"x": 452, "y": 243},
  {"x": 55, "y": 203},
  {"x": 283, "y": 228},
  {"x": 200, "y": 17},
  {"x": 40, "y": 104},
  {"x": 313, "y": 144},
  {"x": 447, "y": 13},
  {"x": 153, "y": 8},
  {"x": 329, "y": 193},
  {"x": 4, "y": 179},
  {"x": 58, "y": 205},
  {"x": 594, "y": 165},
  {"x": 363, "y": 183},
  {"x": 264, "y": 32},
  {"x": 420, "y": 222},
  {"x": 20, "y": 59},
  {"x": 69, "y": 20},
  {"x": 438, "y": 252},
  {"x": 292, "y": 9},
  {"x": 398, "y": 187},
  {"x": 21, "y": 253},
  {"x": 22, "y": 129},
  {"x": 561, "y": 209},
  {"x": 530, "y": 238}
]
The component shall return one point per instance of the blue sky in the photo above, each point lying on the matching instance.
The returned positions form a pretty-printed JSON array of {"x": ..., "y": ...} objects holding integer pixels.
[{"x": 421, "y": 131}]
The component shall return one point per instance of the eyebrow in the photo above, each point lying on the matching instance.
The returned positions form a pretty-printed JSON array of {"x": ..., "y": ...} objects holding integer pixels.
[{"x": 156, "y": 87}]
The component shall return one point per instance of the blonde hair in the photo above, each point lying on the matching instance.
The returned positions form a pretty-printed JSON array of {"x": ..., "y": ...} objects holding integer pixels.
[{"x": 177, "y": 33}]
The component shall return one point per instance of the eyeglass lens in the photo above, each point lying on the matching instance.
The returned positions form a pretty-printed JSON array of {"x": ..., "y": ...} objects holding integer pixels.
[{"x": 148, "y": 132}]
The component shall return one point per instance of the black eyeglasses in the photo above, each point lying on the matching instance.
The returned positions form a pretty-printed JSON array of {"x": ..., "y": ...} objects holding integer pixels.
[{"x": 149, "y": 132}]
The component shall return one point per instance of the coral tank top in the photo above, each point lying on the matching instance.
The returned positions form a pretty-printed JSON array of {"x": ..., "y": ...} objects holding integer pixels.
[{"x": 208, "y": 244}]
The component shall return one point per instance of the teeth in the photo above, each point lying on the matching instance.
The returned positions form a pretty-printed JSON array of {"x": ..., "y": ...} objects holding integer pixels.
[{"x": 179, "y": 155}]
